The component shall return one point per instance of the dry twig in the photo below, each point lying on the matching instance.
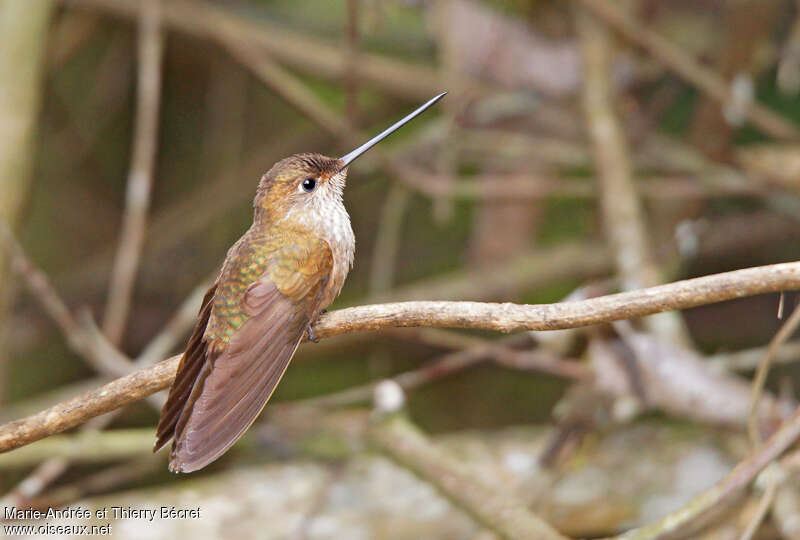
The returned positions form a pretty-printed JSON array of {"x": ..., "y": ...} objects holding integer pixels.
[
  {"x": 91, "y": 346},
  {"x": 785, "y": 332},
  {"x": 622, "y": 212},
  {"x": 764, "y": 505},
  {"x": 494, "y": 508},
  {"x": 454, "y": 362},
  {"x": 500, "y": 317},
  {"x": 387, "y": 239},
  {"x": 681, "y": 520},
  {"x": 307, "y": 53},
  {"x": 140, "y": 179},
  {"x": 688, "y": 68}
]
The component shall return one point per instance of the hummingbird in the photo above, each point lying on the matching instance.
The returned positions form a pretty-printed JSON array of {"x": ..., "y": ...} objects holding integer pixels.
[{"x": 274, "y": 283}]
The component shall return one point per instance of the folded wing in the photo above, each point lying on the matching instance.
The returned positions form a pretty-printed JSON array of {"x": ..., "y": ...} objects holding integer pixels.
[{"x": 231, "y": 383}]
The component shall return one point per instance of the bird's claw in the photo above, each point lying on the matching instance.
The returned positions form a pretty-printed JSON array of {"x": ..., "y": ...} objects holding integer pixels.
[{"x": 311, "y": 336}]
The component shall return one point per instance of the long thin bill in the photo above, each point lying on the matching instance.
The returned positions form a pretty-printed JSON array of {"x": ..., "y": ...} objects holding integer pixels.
[{"x": 349, "y": 158}]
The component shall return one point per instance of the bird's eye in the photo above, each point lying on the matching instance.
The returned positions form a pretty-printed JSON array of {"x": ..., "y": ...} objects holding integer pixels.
[{"x": 309, "y": 184}]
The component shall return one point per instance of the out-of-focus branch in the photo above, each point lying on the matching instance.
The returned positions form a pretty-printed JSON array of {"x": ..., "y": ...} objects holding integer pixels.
[
  {"x": 86, "y": 447},
  {"x": 102, "y": 481},
  {"x": 23, "y": 37},
  {"x": 623, "y": 217},
  {"x": 287, "y": 86},
  {"x": 140, "y": 178},
  {"x": 789, "y": 64},
  {"x": 23, "y": 29},
  {"x": 764, "y": 505},
  {"x": 786, "y": 331},
  {"x": 387, "y": 239},
  {"x": 351, "y": 81},
  {"x": 454, "y": 362},
  {"x": 749, "y": 359},
  {"x": 688, "y": 68},
  {"x": 680, "y": 521},
  {"x": 176, "y": 327},
  {"x": 81, "y": 408},
  {"x": 500, "y": 317},
  {"x": 494, "y": 508},
  {"x": 527, "y": 186},
  {"x": 307, "y": 53},
  {"x": 90, "y": 346}
]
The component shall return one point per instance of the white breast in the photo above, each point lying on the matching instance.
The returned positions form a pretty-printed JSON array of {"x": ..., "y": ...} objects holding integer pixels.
[{"x": 325, "y": 216}]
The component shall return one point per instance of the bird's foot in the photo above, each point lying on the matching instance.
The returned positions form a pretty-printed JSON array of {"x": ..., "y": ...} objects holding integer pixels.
[{"x": 311, "y": 336}]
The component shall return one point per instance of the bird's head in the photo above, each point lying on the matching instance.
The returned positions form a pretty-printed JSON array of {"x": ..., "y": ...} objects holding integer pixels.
[{"x": 311, "y": 182}]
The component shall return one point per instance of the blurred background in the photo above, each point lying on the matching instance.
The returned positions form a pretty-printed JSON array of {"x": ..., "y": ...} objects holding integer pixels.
[{"x": 584, "y": 148}]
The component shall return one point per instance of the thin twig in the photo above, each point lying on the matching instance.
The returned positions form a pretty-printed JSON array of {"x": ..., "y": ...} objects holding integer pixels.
[
  {"x": 140, "y": 179},
  {"x": 387, "y": 239},
  {"x": 688, "y": 68},
  {"x": 520, "y": 186},
  {"x": 34, "y": 483},
  {"x": 623, "y": 216},
  {"x": 681, "y": 520},
  {"x": 763, "y": 507},
  {"x": 458, "y": 361},
  {"x": 49, "y": 470},
  {"x": 81, "y": 408},
  {"x": 500, "y": 317},
  {"x": 176, "y": 327},
  {"x": 762, "y": 371},
  {"x": 749, "y": 359},
  {"x": 101, "y": 481},
  {"x": 83, "y": 447},
  {"x": 93, "y": 348},
  {"x": 351, "y": 82},
  {"x": 289, "y": 87},
  {"x": 493, "y": 508},
  {"x": 307, "y": 53}
]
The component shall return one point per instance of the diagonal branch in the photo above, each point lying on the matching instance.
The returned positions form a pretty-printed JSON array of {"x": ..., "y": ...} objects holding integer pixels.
[
  {"x": 91, "y": 346},
  {"x": 306, "y": 53},
  {"x": 687, "y": 67},
  {"x": 494, "y": 508},
  {"x": 678, "y": 523},
  {"x": 501, "y": 317}
]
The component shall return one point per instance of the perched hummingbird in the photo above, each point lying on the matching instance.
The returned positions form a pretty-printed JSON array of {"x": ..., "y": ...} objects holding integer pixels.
[{"x": 275, "y": 281}]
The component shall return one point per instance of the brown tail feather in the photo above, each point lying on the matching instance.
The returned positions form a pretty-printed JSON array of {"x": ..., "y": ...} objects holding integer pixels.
[
  {"x": 231, "y": 392},
  {"x": 189, "y": 368}
]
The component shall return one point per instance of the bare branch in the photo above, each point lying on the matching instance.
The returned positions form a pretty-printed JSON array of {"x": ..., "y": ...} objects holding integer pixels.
[
  {"x": 512, "y": 317},
  {"x": 494, "y": 508},
  {"x": 762, "y": 371},
  {"x": 183, "y": 320},
  {"x": 681, "y": 520},
  {"x": 501, "y": 317},
  {"x": 767, "y": 499},
  {"x": 521, "y": 186},
  {"x": 623, "y": 217},
  {"x": 140, "y": 178},
  {"x": 308, "y": 54},
  {"x": 98, "y": 353},
  {"x": 81, "y": 408},
  {"x": 688, "y": 68},
  {"x": 387, "y": 239},
  {"x": 477, "y": 351}
]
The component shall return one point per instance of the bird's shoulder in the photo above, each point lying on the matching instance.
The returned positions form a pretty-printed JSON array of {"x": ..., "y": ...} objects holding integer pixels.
[{"x": 293, "y": 261}]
